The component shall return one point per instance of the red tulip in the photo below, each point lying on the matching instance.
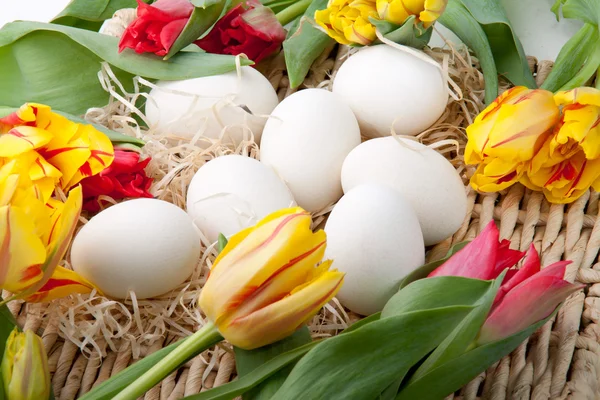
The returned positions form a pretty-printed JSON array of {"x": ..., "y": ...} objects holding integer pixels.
[
  {"x": 124, "y": 178},
  {"x": 157, "y": 26},
  {"x": 248, "y": 28},
  {"x": 527, "y": 294}
]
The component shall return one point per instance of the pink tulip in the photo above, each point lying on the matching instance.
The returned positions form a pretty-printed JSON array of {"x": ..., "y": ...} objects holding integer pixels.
[{"x": 527, "y": 295}]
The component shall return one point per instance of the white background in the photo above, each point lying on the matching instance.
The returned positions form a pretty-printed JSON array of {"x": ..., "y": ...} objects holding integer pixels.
[{"x": 542, "y": 36}]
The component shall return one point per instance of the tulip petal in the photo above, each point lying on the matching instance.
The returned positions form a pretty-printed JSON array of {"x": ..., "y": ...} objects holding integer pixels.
[
  {"x": 21, "y": 251},
  {"x": 476, "y": 260},
  {"x": 528, "y": 303},
  {"x": 101, "y": 154},
  {"x": 63, "y": 228},
  {"x": 21, "y": 139},
  {"x": 280, "y": 319},
  {"x": 62, "y": 283},
  {"x": 506, "y": 257},
  {"x": 530, "y": 267}
]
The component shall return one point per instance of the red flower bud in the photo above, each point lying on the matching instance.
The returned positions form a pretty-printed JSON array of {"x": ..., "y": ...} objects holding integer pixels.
[
  {"x": 124, "y": 178},
  {"x": 157, "y": 26},
  {"x": 249, "y": 28}
]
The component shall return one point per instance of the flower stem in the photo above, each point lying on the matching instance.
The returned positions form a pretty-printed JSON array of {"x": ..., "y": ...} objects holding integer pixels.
[
  {"x": 589, "y": 69},
  {"x": 198, "y": 342},
  {"x": 287, "y": 15}
]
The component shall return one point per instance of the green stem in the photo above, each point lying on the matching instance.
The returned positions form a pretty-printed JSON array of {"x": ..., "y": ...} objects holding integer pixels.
[
  {"x": 195, "y": 344},
  {"x": 289, "y": 14},
  {"x": 598, "y": 78},
  {"x": 589, "y": 69},
  {"x": 572, "y": 57}
]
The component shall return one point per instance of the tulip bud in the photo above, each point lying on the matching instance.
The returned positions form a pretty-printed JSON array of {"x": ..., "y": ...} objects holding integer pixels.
[
  {"x": 507, "y": 135},
  {"x": 397, "y": 11},
  {"x": 25, "y": 370},
  {"x": 264, "y": 285},
  {"x": 347, "y": 21}
]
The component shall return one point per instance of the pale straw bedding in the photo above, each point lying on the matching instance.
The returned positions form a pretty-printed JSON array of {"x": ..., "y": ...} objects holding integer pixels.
[{"x": 90, "y": 338}]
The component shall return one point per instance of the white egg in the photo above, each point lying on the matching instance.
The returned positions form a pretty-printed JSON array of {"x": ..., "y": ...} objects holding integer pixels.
[
  {"x": 211, "y": 103},
  {"x": 306, "y": 140},
  {"x": 146, "y": 245},
  {"x": 422, "y": 175},
  {"x": 230, "y": 193},
  {"x": 373, "y": 235},
  {"x": 388, "y": 87}
]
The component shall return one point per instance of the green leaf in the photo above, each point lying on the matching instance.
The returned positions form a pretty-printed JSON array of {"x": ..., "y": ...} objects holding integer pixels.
[
  {"x": 584, "y": 10},
  {"x": 508, "y": 52},
  {"x": 221, "y": 243},
  {"x": 556, "y": 8},
  {"x": 67, "y": 79},
  {"x": 204, "y": 16},
  {"x": 115, "y": 137},
  {"x": 572, "y": 57},
  {"x": 464, "y": 334},
  {"x": 243, "y": 384},
  {"x": 304, "y": 44},
  {"x": 428, "y": 268},
  {"x": 451, "y": 376},
  {"x": 439, "y": 291},
  {"x": 407, "y": 34},
  {"x": 458, "y": 19},
  {"x": 109, "y": 388},
  {"x": 90, "y": 15},
  {"x": 247, "y": 361},
  {"x": 364, "y": 321},
  {"x": 362, "y": 363}
]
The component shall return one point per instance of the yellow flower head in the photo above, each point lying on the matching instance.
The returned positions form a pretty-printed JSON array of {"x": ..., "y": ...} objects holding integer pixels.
[
  {"x": 54, "y": 150},
  {"x": 569, "y": 161},
  {"x": 25, "y": 371},
  {"x": 397, "y": 11},
  {"x": 266, "y": 283},
  {"x": 347, "y": 21},
  {"x": 507, "y": 134},
  {"x": 34, "y": 237}
]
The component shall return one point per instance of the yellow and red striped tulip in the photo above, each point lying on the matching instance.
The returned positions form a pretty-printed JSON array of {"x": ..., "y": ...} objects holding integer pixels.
[
  {"x": 25, "y": 371},
  {"x": 397, "y": 11},
  {"x": 266, "y": 283},
  {"x": 568, "y": 163},
  {"x": 347, "y": 21},
  {"x": 54, "y": 150},
  {"x": 507, "y": 135},
  {"x": 34, "y": 238}
]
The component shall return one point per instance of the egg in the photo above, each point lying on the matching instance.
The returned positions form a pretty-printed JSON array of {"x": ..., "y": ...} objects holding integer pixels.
[
  {"x": 387, "y": 87},
  {"x": 423, "y": 176},
  {"x": 373, "y": 235},
  {"x": 146, "y": 245},
  {"x": 211, "y": 103},
  {"x": 233, "y": 192},
  {"x": 306, "y": 140}
]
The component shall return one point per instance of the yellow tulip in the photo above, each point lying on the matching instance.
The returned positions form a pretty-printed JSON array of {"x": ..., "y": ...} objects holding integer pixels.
[
  {"x": 568, "y": 163},
  {"x": 507, "y": 135},
  {"x": 34, "y": 238},
  {"x": 347, "y": 21},
  {"x": 265, "y": 284},
  {"x": 25, "y": 371},
  {"x": 397, "y": 11},
  {"x": 54, "y": 150}
]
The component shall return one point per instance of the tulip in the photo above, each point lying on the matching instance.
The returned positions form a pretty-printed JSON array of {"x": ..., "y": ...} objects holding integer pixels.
[
  {"x": 248, "y": 28},
  {"x": 157, "y": 26},
  {"x": 125, "y": 178},
  {"x": 34, "y": 238},
  {"x": 507, "y": 135},
  {"x": 568, "y": 163},
  {"x": 347, "y": 21},
  {"x": 526, "y": 296},
  {"x": 53, "y": 150},
  {"x": 262, "y": 287},
  {"x": 25, "y": 371},
  {"x": 398, "y": 11}
]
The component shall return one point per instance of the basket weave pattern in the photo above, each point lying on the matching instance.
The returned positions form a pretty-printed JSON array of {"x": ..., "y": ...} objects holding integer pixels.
[{"x": 560, "y": 361}]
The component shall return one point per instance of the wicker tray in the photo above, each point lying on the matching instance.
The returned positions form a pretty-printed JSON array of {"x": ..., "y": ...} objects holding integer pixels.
[{"x": 561, "y": 360}]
